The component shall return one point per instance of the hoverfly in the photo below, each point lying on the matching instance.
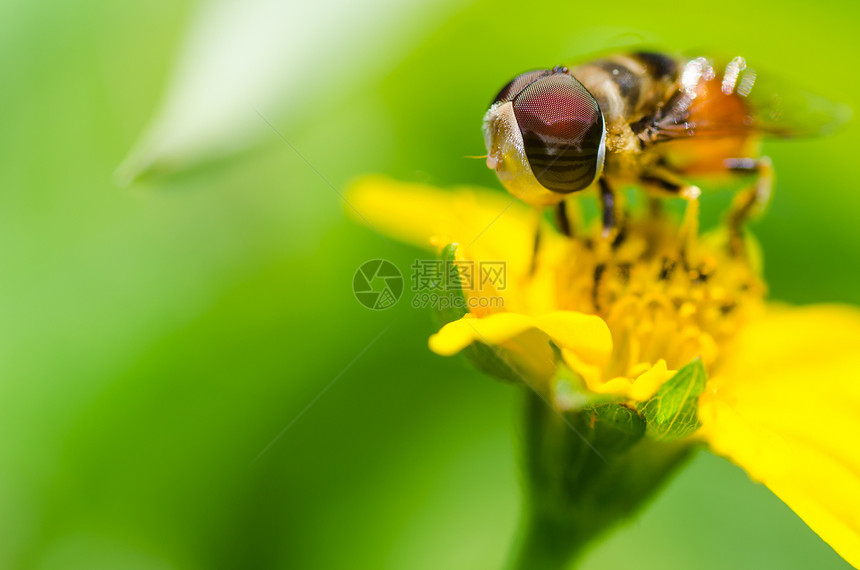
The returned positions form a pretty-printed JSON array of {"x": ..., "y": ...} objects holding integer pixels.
[{"x": 647, "y": 118}]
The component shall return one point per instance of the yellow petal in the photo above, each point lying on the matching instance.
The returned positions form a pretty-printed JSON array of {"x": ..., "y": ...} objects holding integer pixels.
[
  {"x": 585, "y": 336},
  {"x": 640, "y": 387},
  {"x": 647, "y": 383},
  {"x": 785, "y": 406},
  {"x": 493, "y": 329},
  {"x": 488, "y": 225}
]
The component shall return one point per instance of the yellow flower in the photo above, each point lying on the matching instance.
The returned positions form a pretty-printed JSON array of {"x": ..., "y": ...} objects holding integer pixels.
[{"x": 782, "y": 397}]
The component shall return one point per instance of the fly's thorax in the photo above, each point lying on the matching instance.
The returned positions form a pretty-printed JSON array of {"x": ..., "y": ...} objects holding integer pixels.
[
  {"x": 625, "y": 160},
  {"x": 629, "y": 86}
]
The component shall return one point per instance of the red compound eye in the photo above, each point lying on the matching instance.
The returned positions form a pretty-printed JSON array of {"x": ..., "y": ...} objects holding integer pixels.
[
  {"x": 519, "y": 83},
  {"x": 562, "y": 130}
]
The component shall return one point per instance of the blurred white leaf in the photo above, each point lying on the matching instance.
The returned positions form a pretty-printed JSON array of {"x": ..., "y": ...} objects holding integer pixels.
[{"x": 242, "y": 57}]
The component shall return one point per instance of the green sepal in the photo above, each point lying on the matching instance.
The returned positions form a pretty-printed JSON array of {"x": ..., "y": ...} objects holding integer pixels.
[
  {"x": 452, "y": 305},
  {"x": 487, "y": 359},
  {"x": 672, "y": 413},
  {"x": 612, "y": 427},
  {"x": 567, "y": 389}
]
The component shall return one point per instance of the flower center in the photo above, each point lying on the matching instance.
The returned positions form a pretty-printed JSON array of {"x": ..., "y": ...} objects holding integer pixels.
[{"x": 664, "y": 291}]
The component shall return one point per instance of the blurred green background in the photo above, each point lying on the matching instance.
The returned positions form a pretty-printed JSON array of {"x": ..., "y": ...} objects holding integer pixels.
[{"x": 156, "y": 338}]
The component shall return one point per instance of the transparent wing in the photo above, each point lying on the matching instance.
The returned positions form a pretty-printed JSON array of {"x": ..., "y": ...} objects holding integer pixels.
[{"x": 733, "y": 99}]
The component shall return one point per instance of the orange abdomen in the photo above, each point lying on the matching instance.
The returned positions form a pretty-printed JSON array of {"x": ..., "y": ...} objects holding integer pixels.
[{"x": 722, "y": 134}]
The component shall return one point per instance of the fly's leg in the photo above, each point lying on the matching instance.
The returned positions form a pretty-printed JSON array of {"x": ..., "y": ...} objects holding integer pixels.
[
  {"x": 655, "y": 206},
  {"x": 749, "y": 202},
  {"x": 562, "y": 219},
  {"x": 562, "y": 222},
  {"x": 612, "y": 212},
  {"x": 665, "y": 181},
  {"x": 538, "y": 217},
  {"x": 607, "y": 205}
]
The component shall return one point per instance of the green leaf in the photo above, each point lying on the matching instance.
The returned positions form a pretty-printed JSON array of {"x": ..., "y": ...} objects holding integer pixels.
[{"x": 672, "y": 413}]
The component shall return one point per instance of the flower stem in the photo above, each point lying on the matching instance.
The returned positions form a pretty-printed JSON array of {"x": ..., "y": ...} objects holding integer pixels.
[
  {"x": 544, "y": 545},
  {"x": 584, "y": 472}
]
